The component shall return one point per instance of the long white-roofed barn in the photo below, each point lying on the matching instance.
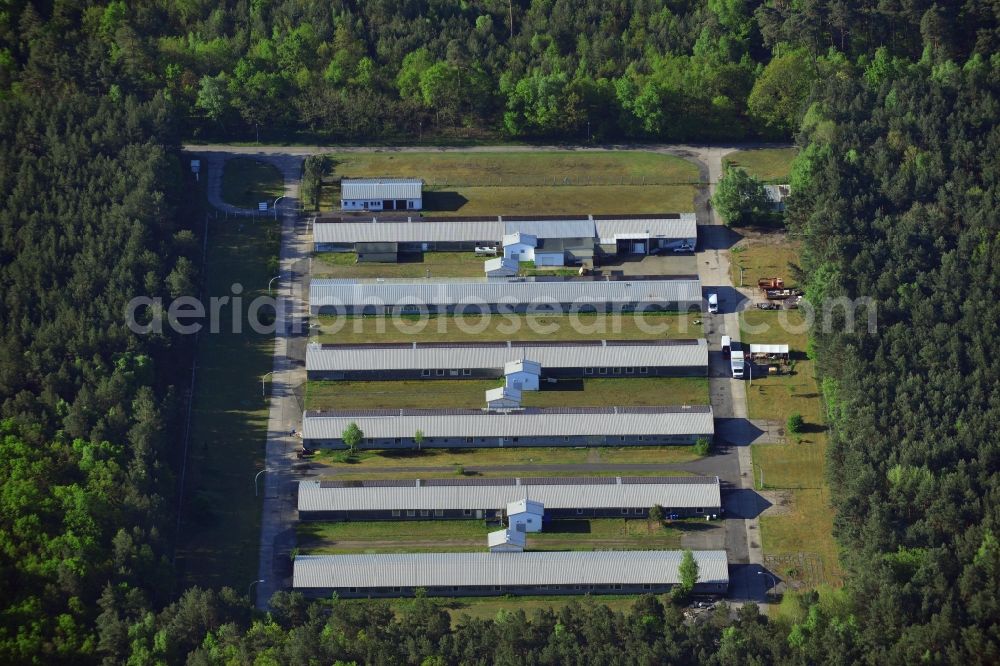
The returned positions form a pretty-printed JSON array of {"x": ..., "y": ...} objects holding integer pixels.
[
  {"x": 489, "y": 498},
  {"x": 474, "y": 428},
  {"x": 503, "y": 295},
  {"x": 493, "y": 574},
  {"x": 544, "y": 240},
  {"x": 489, "y": 360},
  {"x": 360, "y": 194}
]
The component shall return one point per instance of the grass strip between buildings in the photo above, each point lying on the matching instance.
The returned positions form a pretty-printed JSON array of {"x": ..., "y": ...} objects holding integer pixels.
[
  {"x": 470, "y": 536},
  {"x": 470, "y": 393}
]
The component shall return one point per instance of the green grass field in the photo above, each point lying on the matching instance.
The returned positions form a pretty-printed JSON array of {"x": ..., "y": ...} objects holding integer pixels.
[
  {"x": 372, "y": 461},
  {"x": 221, "y": 523},
  {"x": 765, "y": 256},
  {"x": 469, "y": 393},
  {"x": 434, "y": 264},
  {"x": 470, "y": 536},
  {"x": 650, "y": 326},
  {"x": 799, "y": 536},
  {"x": 543, "y": 182},
  {"x": 247, "y": 182},
  {"x": 769, "y": 164}
]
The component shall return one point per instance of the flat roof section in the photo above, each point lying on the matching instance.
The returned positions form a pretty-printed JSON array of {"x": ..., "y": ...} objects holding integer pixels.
[
  {"x": 553, "y": 493},
  {"x": 333, "y": 359},
  {"x": 412, "y": 570},
  {"x": 531, "y": 422}
]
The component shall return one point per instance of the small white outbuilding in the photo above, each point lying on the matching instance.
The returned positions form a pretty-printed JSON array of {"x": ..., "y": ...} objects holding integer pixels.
[
  {"x": 506, "y": 541},
  {"x": 503, "y": 397},
  {"x": 524, "y": 375},
  {"x": 525, "y": 515},
  {"x": 519, "y": 246},
  {"x": 501, "y": 267}
]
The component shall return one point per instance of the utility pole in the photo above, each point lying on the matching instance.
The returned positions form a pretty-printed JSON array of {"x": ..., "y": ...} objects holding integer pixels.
[{"x": 510, "y": 6}]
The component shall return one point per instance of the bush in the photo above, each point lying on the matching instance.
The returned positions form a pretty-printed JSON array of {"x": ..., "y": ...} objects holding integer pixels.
[
  {"x": 702, "y": 446},
  {"x": 794, "y": 424}
]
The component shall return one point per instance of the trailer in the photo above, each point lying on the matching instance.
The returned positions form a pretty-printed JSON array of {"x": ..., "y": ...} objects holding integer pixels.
[
  {"x": 782, "y": 294},
  {"x": 769, "y": 352},
  {"x": 770, "y": 283}
]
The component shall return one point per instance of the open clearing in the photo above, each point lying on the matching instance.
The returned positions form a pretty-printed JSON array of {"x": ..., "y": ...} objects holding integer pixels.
[
  {"x": 469, "y": 393},
  {"x": 470, "y": 536},
  {"x": 628, "y": 326},
  {"x": 247, "y": 182},
  {"x": 544, "y": 182},
  {"x": 763, "y": 255},
  {"x": 769, "y": 164},
  {"x": 221, "y": 523}
]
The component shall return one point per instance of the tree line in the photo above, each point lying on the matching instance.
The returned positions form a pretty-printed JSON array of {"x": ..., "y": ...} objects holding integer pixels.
[
  {"x": 578, "y": 70},
  {"x": 896, "y": 194}
]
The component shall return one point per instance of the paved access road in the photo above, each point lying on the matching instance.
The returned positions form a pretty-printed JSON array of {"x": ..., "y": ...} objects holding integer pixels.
[{"x": 279, "y": 513}]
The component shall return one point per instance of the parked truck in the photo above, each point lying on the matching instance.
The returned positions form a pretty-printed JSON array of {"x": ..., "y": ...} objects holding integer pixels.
[{"x": 737, "y": 363}]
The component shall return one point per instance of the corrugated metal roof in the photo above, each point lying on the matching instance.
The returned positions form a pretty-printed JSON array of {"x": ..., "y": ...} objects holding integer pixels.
[
  {"x": 337, "y": 293},
  {"x": 551, "y": 228},
  {"x": 407, "y": 232},
  {"x": 381, "y": 188},
  {"x": 349, "y": 358},
  {"x": 456, "y": 231},
  {"x": 683, "y": 227},
  {"x": 695, "y": 492},
  {"x": 615, "y": 421},
  {"x": 505, "y": 569}
]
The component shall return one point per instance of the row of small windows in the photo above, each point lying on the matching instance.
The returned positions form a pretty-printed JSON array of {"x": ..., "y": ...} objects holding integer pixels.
[
  {"x": 616, "y": 371},
  {"x": 351, "y": 203}
]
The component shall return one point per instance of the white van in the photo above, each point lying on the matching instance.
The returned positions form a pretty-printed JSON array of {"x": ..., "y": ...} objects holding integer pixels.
[
  {"x": 713, "y": 303},
  {"x": 737, "y": 363},
  {"x": 727, "y": 343}
]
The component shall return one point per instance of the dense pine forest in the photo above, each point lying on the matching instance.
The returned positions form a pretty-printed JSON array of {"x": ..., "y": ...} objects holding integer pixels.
[{"x": 896, "y": 192}]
